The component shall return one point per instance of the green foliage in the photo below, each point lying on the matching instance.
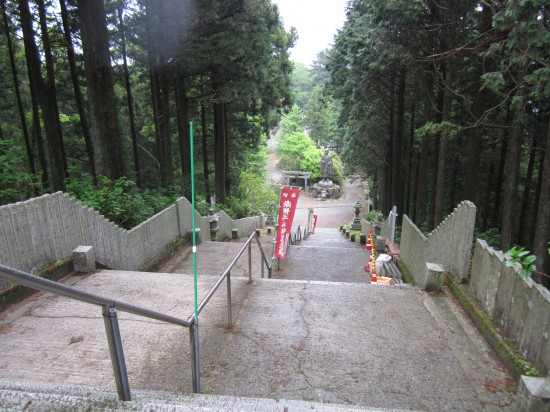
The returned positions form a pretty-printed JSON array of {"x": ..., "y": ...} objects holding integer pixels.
[
  {"x": 434, "y": 129},
  {"x": 321, "y": 115},
  {"x": 491, "y": 236},
  {"x": 528, "y": 369},
  {"x": 235, "y": 207},
  {"x": 292, "y": 122},
  {"x": 293, "y": 148},
  {"x": 370, "y": 216},
  {"x": 524, "y": 258},
  {"x": 301, "y": 84},
  {"x": 16, "y": 183},
  {"x": 260, "y": 196},
  {"x": 121, "y": 201}
]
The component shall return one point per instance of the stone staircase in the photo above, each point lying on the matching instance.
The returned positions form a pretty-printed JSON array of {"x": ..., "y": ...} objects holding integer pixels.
[
  {"x": 328, "y": 255},
  {"x": 317, "y": 336}
]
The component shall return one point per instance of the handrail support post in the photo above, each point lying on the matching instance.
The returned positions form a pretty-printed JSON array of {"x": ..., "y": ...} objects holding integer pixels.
[
  {"x": 195, "y": 355},
  {"x": 117, "y": 354},
  {"x": 229, "y": 312},
  {"x": 250, "y": 262}
]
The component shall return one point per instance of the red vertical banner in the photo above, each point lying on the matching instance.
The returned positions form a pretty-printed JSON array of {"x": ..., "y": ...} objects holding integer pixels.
[{"x": 287, "y": 207}]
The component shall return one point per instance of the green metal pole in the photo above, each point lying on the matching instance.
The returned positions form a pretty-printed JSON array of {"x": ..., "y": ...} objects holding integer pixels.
[
  {"x": 194, "y": 329},
  {"x": 193, "y": 223}
]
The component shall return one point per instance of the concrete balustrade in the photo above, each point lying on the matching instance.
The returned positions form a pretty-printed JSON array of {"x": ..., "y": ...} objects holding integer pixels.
[{"x": 42, "y": 230}]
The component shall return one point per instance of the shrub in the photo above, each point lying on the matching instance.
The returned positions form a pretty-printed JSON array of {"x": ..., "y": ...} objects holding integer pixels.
[{"x": 121, "y": 201}]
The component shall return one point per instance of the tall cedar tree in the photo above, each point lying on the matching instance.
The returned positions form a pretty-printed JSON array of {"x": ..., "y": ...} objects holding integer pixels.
[{"x": 104, "y": 126}]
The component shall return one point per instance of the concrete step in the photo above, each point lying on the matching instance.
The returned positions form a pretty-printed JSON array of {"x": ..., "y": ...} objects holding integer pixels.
[
  {"x": 323, "y": 263},
  {"x": 333, "y": 343},
  {"x": 328, "y": 237},
  {"x": 24, "y": 396},
  {"x": 213, "y": 258}
]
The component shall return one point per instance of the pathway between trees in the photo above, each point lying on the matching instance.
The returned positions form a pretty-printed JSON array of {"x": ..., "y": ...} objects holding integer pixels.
[{"x": 332, "y": 212}]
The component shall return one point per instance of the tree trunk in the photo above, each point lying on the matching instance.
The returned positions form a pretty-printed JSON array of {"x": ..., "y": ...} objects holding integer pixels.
[
  {"x": 397, "y": 147},
  {"x": 510, "y": 201},
  {"x": 485, "y": 206},
  {"x": 441, "y": 158},
  {"x": 43, "y": 92},
  {"x": 104, "y": 127},
  {"x": 422, "y": 175},
  {"x": 167, "y": 169},
  {"x": 523, "y": 222},
  {"x": 409, "y": 181},
  {"x": 55, "y": 137},
  {"x": 480, "y": 102},
  {"x": 227, "y": 149},
  {"x": 496, "y": 219},
  {"x": 182, "y": 107},
  {"x": 160, "y": 91},
  {"x": 129, "y": 98},
  {"x": 219, "y": 157},
  {"x": 542, "y": 229},
  {"x": 84, "y": 125},
  {"x": 24, "y": 128},
  {"x": 205, "y": 154},
  {"x": 389, "y": 201},
  {"x": 538, "y": 189}
]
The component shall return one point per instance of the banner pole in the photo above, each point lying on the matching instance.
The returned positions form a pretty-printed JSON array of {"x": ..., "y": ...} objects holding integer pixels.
[{"x": 276, "y": 228}]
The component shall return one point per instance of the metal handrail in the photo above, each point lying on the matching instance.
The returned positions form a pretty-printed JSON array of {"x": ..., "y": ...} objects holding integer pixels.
[
  {"x": 109, "y": 311},
  {"x": 227, "y": 271},
  {"x": 46, "y": 285}
]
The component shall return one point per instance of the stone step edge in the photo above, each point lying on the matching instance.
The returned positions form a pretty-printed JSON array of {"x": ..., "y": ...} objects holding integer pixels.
[{"x": 41, "y": 396}]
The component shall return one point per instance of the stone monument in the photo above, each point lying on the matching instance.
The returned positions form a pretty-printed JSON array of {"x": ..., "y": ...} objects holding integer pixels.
[{"x": 326, "y": 188}]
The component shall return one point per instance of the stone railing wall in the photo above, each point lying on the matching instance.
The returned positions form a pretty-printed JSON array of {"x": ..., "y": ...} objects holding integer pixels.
[
  {"x": 519, "y": 307},
  {"x": 44, "y": 229},
  {"x": 449, "y": 245}
]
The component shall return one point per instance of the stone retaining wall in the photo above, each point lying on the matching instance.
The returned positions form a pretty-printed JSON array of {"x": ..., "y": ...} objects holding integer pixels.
[
  {"x": 519, "y": 307},
  {"x": 449, "y": 245},
  {"x": 44, "y": 229}
]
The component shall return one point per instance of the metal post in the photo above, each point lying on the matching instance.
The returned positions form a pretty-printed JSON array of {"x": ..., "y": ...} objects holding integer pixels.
[
  {"x": 262, "y": 264},
  {"x": 250, "y": 262},
  {"x": 117, "y": 354},
  {"x": 393, "y": 219},
  {"x": 195, "y": 355},
  {"x": 229, "y": 312}
]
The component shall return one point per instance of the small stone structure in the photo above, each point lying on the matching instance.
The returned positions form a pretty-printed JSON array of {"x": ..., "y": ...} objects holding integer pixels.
[
  {"x": 324, "y": 190},
  {"x": 356, "y": 222},
  {"x": 533, "y": 394},
  {"x": 84, "y": 259}
]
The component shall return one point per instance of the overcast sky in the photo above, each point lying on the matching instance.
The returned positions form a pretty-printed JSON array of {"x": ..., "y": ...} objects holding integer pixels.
[{"x": 316, "y": 22}]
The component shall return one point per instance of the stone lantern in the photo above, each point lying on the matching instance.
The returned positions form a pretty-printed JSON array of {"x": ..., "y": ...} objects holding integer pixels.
[
  {"x": 378, "y": 222},
  {"x": 356, "y": 223},
  {"x": 213, "y": 219}
]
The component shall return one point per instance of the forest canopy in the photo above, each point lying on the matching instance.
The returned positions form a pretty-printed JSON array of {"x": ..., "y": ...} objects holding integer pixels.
[
  {"x": 448, "y": 100},
  {"x": 101, "y": 92},
  {"x": 434, "y": 101}
]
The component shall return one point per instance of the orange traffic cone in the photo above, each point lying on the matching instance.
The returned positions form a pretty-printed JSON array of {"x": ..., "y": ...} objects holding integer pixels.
[
  {"x": 367, "y": 268},
  {"x": 373, "y": 277},
  {"x": 368, "y": 245}
]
